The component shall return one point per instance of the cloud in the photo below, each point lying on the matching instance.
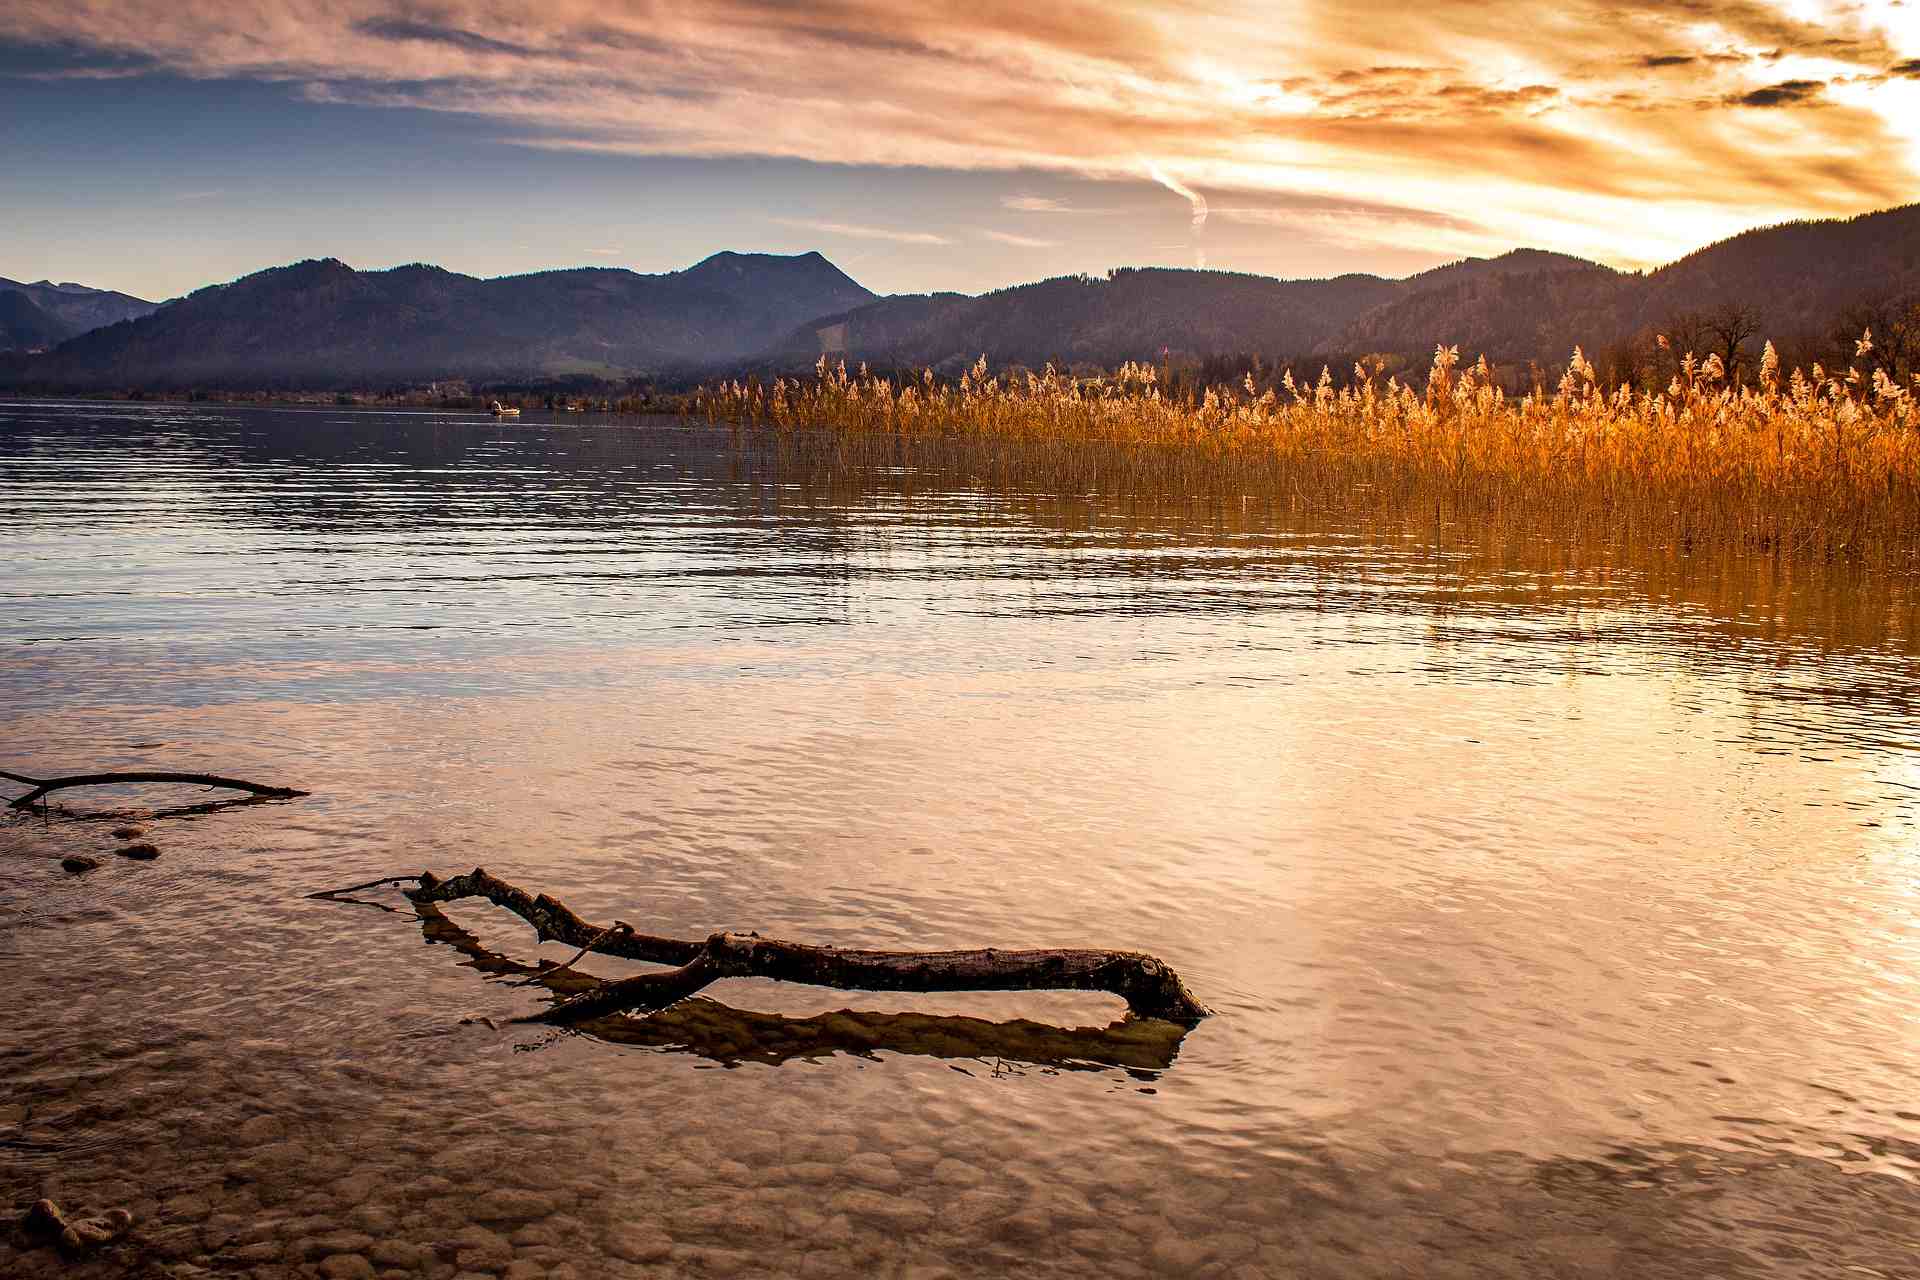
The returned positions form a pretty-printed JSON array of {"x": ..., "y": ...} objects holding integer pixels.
[
  {"x": 1788, "y": 93},
  {"x": 614, "y": 252},
  {"x": 1357, "y": 224},
  {"x": 390, "y": 28},
  {"x": 63, "y": 59},
  {"x": 1541, "y": 131},
  {"x": 1035, "y": 204},
  {"x": 859, "y": 232},
  {"x": 1294, "y": 213},
  {"x": 1019, "y": 242}
]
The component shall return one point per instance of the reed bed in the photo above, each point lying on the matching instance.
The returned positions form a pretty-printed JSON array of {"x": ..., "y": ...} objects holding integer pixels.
[{"x": 1810, "y": 464}]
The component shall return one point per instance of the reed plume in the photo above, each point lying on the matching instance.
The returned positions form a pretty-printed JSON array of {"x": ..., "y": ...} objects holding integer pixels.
[{"x": 1827, "y": 464}]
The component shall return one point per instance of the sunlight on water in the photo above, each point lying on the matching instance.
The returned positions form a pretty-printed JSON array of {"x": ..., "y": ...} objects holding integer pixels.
[{"x": 1558, "y": 912}]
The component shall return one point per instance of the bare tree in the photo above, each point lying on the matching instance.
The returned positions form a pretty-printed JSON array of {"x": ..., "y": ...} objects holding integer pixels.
[
  {"x": 1894, "y": 322},
  {"x": 1730, "y": 325},
  {"x": 1903, "y": 340},
  {"x": 1635, "y": 360},
  {"x": 1688, "y": 331}
]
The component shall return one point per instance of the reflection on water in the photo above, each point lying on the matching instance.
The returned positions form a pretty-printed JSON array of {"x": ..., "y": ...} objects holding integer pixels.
[
  {"x": 1557, "y": 906},
  {"x": 728, "y": 1035}
]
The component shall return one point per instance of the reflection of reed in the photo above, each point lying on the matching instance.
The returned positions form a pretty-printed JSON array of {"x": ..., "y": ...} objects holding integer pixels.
[
  {"x": 815, "y": 504},
  {"x": 1436, "y": 552},
  {"x": 710, "y": 1029}
]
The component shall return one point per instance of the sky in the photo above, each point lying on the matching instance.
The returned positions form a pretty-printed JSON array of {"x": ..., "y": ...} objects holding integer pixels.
[{"x": 157, "y": 146}]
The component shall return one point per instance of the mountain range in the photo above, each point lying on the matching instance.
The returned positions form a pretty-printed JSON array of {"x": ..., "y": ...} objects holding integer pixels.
[
  {"x": 323, "y": 324},
  {"x": 43, "y": 314}
]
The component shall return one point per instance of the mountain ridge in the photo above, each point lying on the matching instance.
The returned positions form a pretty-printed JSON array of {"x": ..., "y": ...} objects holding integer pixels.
[
  {"x": 75, "y": 308},
  {"x": 321, "y": 323},
  {"x": 1137, "y": 313}
]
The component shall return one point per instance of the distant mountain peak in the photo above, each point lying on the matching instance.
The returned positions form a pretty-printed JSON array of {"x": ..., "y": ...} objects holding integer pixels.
[
  {"x": 813, "y": 257},
  {"x": 1524, "y": 254},
  {"x": 64, "y": 286},
  {"x": 810, "y": 271},
  {"x": 1512, "y": 262},
  {"x": 64, "y": 310}
]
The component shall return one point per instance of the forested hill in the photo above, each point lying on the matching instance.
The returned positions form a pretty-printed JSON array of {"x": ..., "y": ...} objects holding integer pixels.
[
  {"x": 1799, "y": 282},
  {"x": 1129, "y": 314}
]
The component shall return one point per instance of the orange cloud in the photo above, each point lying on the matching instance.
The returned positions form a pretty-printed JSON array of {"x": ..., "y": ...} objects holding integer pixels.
[
  {"x": 1017, "y": 241},
  {"x": 856, "y": 231},
  {"x": 1489, "y": 123}
]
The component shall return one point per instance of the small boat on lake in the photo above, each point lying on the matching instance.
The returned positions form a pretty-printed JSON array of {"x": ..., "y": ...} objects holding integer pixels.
[{"x": 504, "y": 411}]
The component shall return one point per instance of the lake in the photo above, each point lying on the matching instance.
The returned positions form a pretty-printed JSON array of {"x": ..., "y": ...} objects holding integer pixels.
[{"x": 1557, "y": 905}]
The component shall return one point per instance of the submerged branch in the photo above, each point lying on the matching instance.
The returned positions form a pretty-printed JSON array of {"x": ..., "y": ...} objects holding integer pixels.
[
  {"x": 1150, "y": 988},
  {"x": 42, "y": 786},
  {"x": 723, "y": 1033}
]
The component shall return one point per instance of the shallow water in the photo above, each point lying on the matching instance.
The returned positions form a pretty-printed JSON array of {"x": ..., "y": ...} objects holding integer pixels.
[{"x": 1557, "y": 910}]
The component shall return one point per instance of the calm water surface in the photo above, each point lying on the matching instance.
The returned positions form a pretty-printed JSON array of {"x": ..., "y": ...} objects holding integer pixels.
[{"x": 1558, "y": 913}]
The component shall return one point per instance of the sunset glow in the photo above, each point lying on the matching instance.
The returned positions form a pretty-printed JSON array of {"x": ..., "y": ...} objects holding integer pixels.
[{"x": 1386, "y": 137}]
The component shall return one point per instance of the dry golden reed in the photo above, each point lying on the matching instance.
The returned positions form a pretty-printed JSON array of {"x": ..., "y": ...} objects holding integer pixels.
[{"x": 1813, "y": 464}]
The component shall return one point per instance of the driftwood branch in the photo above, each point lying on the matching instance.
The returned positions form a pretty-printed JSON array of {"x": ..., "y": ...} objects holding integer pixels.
[
  {"x": 1150, "y": 988},
  {"x": 722, "y": 1033},
  {"x": 42, "y": 786}
]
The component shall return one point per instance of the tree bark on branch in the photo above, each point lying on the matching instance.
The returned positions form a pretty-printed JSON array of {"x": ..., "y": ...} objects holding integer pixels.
[
  {"x": 1150, "y": 988},
  {"x": 42, "y": 786}
]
